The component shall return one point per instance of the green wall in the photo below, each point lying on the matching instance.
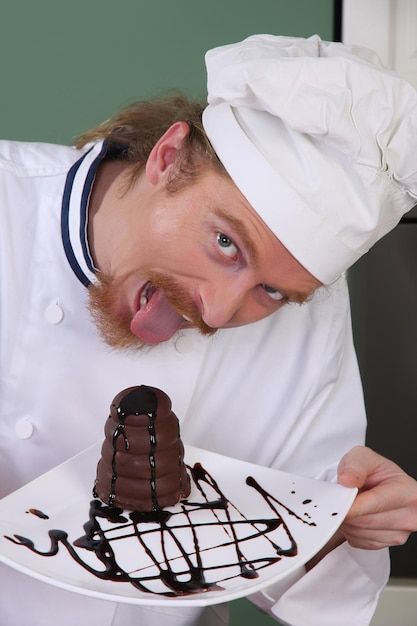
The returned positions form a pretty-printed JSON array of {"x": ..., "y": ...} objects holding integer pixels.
[{"x": 67, "y": 65}]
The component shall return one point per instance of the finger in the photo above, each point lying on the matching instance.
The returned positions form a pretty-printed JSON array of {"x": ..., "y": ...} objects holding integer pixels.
[
  {"x": 395, "y": 520},
  {"x": 356, "y": 465},
  {"x": 388, "y": 496},
  {"x": 374, "y": 540},
  {"x": 372, "y": 543},
  {"x": 380, "y": 530},
  {"x": 399, "y": 492}
]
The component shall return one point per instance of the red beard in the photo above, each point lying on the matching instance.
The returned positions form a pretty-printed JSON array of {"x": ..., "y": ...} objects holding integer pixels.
[{"x": 114, "y": 327}]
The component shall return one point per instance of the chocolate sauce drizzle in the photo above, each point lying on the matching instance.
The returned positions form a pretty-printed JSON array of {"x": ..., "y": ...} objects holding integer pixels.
[
  {"x": 180, "y": 551},
  {"x": 38, "y": 513},
  {"x": 139, "y": 401}
]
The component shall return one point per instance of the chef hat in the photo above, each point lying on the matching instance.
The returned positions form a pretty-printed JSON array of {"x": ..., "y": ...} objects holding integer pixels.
[{"x": 320, "y": 138}]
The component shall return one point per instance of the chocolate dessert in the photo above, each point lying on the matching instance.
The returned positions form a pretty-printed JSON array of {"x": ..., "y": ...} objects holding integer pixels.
[{"x": 142, "y": 458}]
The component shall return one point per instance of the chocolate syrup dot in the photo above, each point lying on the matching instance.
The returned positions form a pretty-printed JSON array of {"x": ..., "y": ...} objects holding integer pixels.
[{"x": 38, "y": 513}]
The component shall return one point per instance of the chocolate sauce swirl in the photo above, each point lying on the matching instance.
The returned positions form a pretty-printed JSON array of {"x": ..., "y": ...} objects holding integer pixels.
[
  {"x": 195, "y": 547},
  {"x": 142, "y": 463}
]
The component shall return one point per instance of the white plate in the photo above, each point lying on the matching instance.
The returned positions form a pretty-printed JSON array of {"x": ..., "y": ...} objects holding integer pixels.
[{"x": 254, "y": 533}]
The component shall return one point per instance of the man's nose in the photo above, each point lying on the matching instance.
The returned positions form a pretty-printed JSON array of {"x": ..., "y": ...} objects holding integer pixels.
[{"x": 220, "y": 302}]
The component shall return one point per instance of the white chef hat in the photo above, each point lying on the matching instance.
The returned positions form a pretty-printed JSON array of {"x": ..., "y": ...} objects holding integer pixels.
[{"x": 320, "y": 138}]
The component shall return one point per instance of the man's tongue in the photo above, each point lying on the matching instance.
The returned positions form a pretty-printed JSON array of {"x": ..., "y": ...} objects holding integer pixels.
[{"x": 156, "y": 321}]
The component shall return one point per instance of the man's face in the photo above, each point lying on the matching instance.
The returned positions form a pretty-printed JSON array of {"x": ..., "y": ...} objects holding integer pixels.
[{"x": 199, "y": 258}]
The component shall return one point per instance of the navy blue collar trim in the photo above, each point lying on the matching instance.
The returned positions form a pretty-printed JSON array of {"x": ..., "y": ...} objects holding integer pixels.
[{"x": 83, "y": 208}]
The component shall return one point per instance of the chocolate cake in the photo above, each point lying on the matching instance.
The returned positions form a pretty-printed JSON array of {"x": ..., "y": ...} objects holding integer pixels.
[{"x": 142, "y": 458}]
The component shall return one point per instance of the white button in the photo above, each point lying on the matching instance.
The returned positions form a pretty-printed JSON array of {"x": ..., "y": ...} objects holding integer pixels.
[
  {"x": 54, "y": 314},
  {"x": 185, "y": 343},
  {"x": 24, "y": 429}
]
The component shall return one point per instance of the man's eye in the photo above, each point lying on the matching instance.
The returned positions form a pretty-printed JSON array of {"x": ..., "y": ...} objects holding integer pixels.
[
  {"x": 274, "y": 294},
  {"x": 226, "y": 244}
]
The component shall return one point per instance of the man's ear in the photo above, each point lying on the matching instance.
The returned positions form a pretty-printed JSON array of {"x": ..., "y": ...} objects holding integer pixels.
[{"x": 164, "y": 152}]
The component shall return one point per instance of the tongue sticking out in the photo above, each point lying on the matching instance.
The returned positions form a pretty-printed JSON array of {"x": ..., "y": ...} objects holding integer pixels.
[{"x": 156, "y": 321}]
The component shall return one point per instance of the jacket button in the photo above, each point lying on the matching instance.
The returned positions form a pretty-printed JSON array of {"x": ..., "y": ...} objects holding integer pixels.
[
  {"x": 185, "y": 343},
  {"x": 54, "y": 314},
  {"x": 24, "y": 429}
]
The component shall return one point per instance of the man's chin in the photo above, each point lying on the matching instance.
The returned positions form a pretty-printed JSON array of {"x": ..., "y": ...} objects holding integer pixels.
[{"x": 118, "y": 337}]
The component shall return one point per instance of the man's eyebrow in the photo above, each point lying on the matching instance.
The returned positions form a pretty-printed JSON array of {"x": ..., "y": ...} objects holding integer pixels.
[
  {"x": 295, "y": 297},
  {"x": 241, "y": 230}
]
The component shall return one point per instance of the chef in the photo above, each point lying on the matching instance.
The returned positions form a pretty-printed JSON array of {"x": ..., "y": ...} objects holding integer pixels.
[{"x": 105, "y": 250}]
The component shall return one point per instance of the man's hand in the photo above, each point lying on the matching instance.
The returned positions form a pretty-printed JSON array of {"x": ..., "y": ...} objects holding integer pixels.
[{"x": 385, "y": 511}]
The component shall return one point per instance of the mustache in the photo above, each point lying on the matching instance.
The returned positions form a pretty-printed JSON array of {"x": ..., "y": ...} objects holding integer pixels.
[
  {"x": 114, "y": 325},
  {"x": 180, "y": 300}
]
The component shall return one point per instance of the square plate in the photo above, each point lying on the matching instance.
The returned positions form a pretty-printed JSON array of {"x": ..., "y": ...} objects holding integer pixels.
[{"x": 242, "y": 528}]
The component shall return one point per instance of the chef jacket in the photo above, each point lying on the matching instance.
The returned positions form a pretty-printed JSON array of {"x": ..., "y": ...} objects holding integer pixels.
[{"x": 283, "y": 392}]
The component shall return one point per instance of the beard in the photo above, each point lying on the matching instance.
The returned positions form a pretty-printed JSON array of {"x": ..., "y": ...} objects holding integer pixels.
[{"x": 114, "y": 325}]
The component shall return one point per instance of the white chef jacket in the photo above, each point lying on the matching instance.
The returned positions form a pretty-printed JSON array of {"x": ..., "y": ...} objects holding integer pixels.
[{"x": 283, "y": 392}]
